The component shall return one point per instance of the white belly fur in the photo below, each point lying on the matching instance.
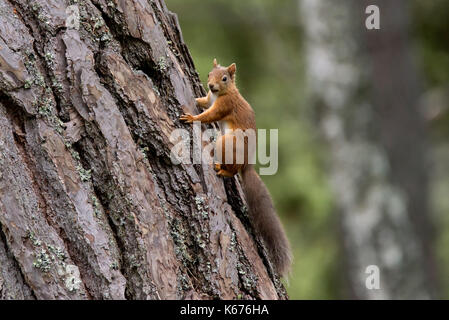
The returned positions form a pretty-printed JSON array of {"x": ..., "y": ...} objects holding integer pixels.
[
  {"x": 212, "y": 98},
  {"x": 224, "y": 125}
]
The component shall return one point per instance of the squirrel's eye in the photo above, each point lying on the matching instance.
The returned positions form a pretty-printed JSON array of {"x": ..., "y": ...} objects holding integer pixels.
[{"x": 224, "y": 78}]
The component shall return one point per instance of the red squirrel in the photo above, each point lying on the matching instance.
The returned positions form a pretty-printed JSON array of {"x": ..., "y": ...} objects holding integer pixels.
[{"x": 225, "y": 104}]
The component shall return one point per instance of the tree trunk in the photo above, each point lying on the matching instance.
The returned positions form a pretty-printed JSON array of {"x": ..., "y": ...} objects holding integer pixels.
[
  {"x": 365, "y": 90},
  {"x": 91, "y": 206}
]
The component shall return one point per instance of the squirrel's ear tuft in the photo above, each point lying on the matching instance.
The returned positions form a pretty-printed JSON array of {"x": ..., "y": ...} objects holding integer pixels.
[
  {"x": 231, "y": 69},
  {"x": 215, "y": 63}
]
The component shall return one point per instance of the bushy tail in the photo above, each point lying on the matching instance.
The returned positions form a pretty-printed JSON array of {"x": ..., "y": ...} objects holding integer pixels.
[{"x": 266, "y": 221}]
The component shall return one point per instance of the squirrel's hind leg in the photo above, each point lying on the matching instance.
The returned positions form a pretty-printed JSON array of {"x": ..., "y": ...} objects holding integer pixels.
[
  {"x": 225, "y": 173},
  {"x": 224, "y": 170},
  {"x": 229, "y": 170},
  {"x": 227, "y": 166}
]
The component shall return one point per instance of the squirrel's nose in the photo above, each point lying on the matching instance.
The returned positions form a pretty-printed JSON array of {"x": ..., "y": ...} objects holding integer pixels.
[{"x": 211, "y": 86}]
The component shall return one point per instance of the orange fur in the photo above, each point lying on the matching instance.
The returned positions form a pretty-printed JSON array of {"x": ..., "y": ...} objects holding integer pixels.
[{"x": 225, "y": 103}]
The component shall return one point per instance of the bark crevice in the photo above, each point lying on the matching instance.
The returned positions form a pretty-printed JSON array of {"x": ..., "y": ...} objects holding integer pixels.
[
  {"x": 98, "y": 107},
  {"x": 20, "y": 288}
]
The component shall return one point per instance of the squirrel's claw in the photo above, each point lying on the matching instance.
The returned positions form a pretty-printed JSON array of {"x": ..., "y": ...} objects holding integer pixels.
[{"x": 187, "y": 118}]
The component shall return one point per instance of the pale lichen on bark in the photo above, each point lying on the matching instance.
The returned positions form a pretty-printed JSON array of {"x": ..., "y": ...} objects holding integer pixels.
[{"x": 91, "y": 205}]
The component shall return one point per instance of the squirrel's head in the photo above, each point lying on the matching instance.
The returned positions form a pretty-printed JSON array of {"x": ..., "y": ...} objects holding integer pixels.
[{"x": 221, "y": 79}]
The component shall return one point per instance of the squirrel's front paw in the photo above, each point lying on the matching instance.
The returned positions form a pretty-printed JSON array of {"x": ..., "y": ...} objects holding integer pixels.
[{"x": 187, "y": 118}]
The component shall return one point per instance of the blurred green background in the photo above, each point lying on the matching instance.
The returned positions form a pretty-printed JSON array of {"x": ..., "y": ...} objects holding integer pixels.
[{"x": 266, "y": 41}]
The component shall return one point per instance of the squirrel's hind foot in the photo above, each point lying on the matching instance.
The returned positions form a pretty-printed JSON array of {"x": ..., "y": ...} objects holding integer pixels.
[{"x": 224, "y": 173}]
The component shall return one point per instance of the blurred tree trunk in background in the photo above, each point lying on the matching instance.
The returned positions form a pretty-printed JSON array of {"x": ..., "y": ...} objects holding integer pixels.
[
  {"x": 91, "y": 207},
  {"x": 365, "y": 91}
]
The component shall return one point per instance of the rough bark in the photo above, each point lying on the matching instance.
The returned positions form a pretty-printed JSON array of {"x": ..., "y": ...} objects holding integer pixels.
[
  {"x": 365, "y": 91},
  {"x": 91, "y": 207}
]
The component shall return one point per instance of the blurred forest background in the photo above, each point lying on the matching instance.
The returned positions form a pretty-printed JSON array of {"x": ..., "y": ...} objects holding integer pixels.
[{"x": 363, "y": 119}]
